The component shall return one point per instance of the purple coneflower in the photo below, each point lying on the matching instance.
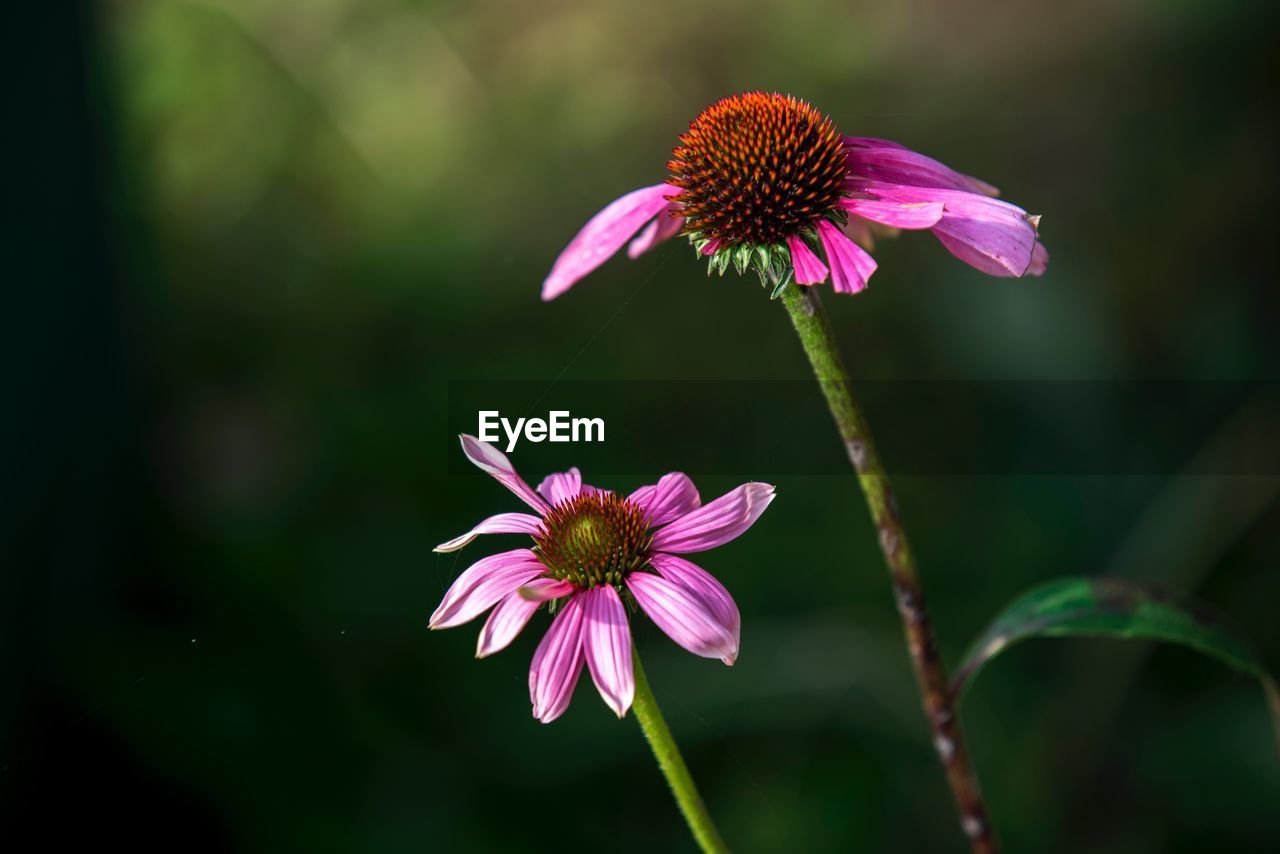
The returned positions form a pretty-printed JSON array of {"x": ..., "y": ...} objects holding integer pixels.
[
  {"x": 592, "y": 547},
  {"x": 765, "y": 181}
]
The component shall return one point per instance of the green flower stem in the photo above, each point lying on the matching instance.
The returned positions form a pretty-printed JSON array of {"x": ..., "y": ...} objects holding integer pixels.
[
  {"x": 655, "y": 730},
  {"x": 810, "y": 321}
]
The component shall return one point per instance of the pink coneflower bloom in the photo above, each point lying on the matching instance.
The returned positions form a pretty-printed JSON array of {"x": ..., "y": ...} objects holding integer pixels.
[
  {"x": 765, "y": 181},
  {"x": 591, "y": 549}
]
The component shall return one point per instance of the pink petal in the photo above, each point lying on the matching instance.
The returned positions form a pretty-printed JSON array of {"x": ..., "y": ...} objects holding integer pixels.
[
  {"x": 606, "y": 643},
  {"x": 872, "y": 142},
  {"x": 981, "y": 187},
  {"x": 483, "y": 584},
  {"x": 850, "y": 265},
  {"x": 684, "y": 617},
  {"x": 702, "y": 584},
  {"x": 882, "y": 160},
  {"x": 716, "y": 523},
  {"x": 670, "y": 498},
  {"x": 603, "y": 235},
  {"x": 1039, "y": 260},
  {"x": 492, "y": 461},
  {"x": 990, "y": 250},
  {"x": 712, "y": 246},
  {"x": 895, "y": 214},
  {"x": 542, "y": 589},
  {"x": 511, "y": 615},
  {"x": 557, "y": 487},
  {"x": 809, "y": 270},
  {"x": 503, "y": 523},
  {"x": 664, "y": 226},
  {"x": 860, "y": 233},
  {"x": 994, "y": 236},
  {"x": 513, "y": 612},
  {"x": 557, "y": 663}
]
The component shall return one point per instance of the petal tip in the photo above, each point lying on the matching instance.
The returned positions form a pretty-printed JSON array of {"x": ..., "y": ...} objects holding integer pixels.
[
  {"x": 546, "y": 716},
  {"x": 602, "y": 236}
]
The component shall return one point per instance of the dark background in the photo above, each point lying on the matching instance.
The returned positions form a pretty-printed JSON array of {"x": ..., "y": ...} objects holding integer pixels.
[{"x": 250, "y": 244}]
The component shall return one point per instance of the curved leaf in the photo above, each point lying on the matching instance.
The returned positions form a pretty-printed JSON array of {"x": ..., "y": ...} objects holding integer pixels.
[{"x": 1113, "y": 607}]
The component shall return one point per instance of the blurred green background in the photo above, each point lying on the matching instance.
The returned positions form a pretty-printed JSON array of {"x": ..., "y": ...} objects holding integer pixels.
[{"x": 263, "y": 236}]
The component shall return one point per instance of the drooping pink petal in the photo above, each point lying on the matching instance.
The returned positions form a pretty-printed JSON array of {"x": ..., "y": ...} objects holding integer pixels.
[
  {"x": 503, "y": 523},
  {"x": 860, "y": 233},
  {"x": 994, "y": 236},
  {"x": 712, "y": 246},
  {"x": 664, "y": 226},
  {"x": 557, "y": 487},
  {"x": 884, "y": 160},
  {"x": 850, "y": 265},
  {"x": 557, "y": 663},
  {"x": 809, "y": 270},
  {"x": 603, "y": 235},
  {"x": 1039, "y": 260},
  {"x": 670, "y": 498},
  {"x": 606, "y": 644},
  {"x": 895, "y": 214},
  {"x": 483, "y": 584},
  {"x": 716, "y": 523},
  {"x": 704, "y": 585},
  {"x": 684, "y": 617},
  {"x": 493, "y": 462},
  {"x": 514, "y": 611}
]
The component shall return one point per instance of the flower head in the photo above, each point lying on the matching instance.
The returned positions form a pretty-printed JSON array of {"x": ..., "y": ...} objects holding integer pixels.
[
  {"x": 592, "y": 549},
  {"x": 765, "y": 181}
]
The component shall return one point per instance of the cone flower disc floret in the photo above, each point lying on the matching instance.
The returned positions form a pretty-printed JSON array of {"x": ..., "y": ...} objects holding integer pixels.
[
  {"x": 592, "y": 549},
  {"x": 764, "y": 181}
]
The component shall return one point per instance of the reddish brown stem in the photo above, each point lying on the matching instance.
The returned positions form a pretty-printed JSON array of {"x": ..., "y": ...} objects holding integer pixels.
[{"x": 810, "y": 321}]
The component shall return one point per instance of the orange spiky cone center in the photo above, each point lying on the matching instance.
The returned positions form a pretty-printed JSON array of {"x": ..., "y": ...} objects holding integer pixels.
[{"x": 756, "y": 168}]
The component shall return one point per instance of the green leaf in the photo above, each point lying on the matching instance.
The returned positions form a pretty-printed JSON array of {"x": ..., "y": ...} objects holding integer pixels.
[
  {"x": 1116, "y": 608},
  {"x": 762, "y": 258},
  {"x": 781, "y": 286}
]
